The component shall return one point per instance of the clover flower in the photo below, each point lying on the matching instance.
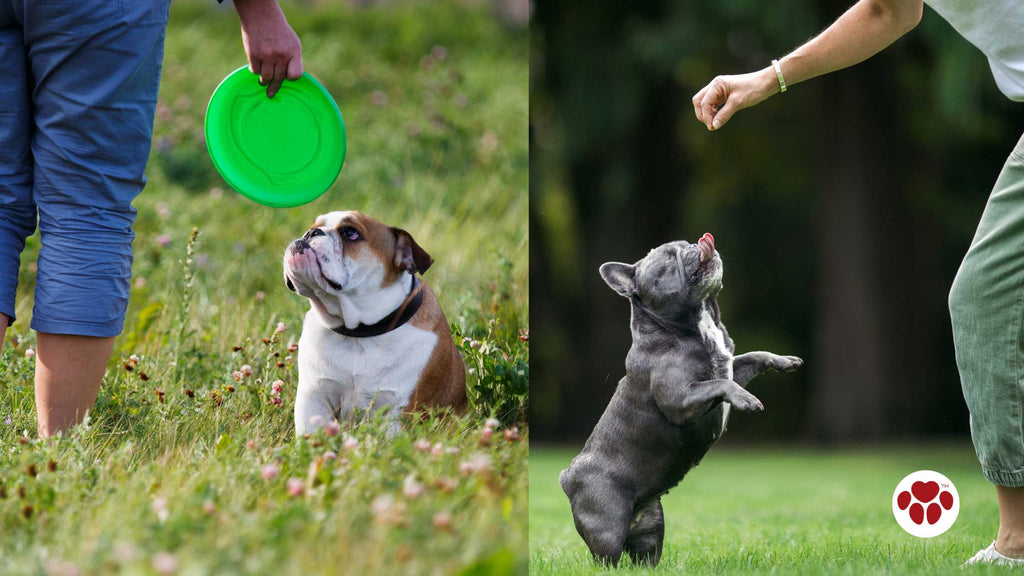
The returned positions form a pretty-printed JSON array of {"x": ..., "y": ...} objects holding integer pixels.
[
  {"x": 387, "y": 510},
  {"x": 165, "y": 563},
  {"x": 332, "y": 428},
  {"x": 269, "y": 471},
  {"x": 160, "y": 508},
  {"x": 412, "y": 488},
  {"x": 442, "y": 520},
  {"x": 296, "y": 487},
  {"x": 476, "y": 464}
]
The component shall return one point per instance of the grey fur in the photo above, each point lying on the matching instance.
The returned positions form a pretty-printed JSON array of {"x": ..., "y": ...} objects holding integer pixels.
[{"x": 669, "y": 408}]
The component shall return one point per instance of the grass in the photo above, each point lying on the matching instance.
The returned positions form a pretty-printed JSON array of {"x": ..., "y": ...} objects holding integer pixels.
[
  {"x": 183, "y": 466},
  {"x": 783, "y": 511}
]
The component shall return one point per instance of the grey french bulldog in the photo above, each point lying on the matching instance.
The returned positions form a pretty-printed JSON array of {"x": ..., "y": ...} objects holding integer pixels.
[{"x": 672, "y": 405}]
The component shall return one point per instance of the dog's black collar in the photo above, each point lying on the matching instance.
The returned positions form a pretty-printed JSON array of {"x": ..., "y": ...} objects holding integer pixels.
[{"x": 392, "y": 321}]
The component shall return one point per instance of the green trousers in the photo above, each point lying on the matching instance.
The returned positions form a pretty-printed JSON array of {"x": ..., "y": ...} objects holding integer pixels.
[{"x": 986, "y": 304}]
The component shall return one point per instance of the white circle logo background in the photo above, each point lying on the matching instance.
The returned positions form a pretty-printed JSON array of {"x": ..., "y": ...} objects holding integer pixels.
[{"x": 924, "y": 529}]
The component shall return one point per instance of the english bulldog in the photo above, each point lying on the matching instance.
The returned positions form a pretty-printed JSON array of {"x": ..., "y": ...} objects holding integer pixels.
[
  {"x": 375, "y": 337},
  {"x": 672, "y": 405}
]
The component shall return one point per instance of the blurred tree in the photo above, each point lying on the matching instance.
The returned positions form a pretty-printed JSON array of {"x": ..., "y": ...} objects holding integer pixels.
[{"x": 842, "y": 208}]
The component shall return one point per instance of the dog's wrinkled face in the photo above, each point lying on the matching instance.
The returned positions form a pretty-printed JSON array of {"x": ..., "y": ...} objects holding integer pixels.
[
  {"x": 349, "y": 254},
  {"x": 671, "y": 278}
]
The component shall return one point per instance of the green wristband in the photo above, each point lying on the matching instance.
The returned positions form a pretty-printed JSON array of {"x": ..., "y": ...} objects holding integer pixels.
[{"x": 778, "y": 72}]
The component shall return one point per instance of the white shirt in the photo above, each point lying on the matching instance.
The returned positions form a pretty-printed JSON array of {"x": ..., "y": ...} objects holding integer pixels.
[{"x": 996, "y": 27}]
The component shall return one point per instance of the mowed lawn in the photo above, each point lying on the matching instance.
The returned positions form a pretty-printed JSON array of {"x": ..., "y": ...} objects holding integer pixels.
[
  {"x": 189, "y": 462},
  {"x": 783, "y": 511}
]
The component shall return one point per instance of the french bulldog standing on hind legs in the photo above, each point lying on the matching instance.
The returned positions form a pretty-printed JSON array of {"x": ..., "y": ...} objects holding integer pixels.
[{"x": 672, "y": 405}]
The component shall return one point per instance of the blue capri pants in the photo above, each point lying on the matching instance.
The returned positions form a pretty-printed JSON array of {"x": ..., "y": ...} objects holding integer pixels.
[{"x": 78, "y": 91}]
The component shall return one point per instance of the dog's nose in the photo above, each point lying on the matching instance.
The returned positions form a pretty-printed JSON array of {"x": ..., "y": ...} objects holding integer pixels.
[{"x": 313, "y": 233}]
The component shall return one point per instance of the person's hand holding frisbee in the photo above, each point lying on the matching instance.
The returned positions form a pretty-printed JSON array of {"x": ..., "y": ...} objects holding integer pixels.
[
  {"x": 284, "y": 151},
  {"x": 272, "y": 47}
]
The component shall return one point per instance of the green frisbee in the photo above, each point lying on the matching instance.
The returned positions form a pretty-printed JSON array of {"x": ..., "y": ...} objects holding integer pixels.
[{"x": 283, "y": 151}]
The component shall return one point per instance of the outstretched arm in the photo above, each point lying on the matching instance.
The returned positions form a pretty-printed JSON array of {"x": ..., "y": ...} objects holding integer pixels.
[
  {"x": 863, "y": 31},
  {"x": 272, "y": 47}
]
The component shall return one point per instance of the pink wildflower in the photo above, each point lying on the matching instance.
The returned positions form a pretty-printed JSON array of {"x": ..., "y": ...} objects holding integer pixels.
[
  {"x": 296, "y": 487},
  {"x": 165, "y": 563},
  {"x": 412, "y": 488},
  {"x": 332, "y": 428},
  {"x": 442, "y": 520},
  {"x": 269, "y": 471}
]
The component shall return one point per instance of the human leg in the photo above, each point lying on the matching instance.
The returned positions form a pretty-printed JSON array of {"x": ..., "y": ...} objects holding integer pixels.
[
  {"x": 69, "y": 370},
  {"x": 1010, "y": 541},
  {"x": 986, "y": 307},
  {"x": 96, "y": 69},
  {"x": 987, "y": 310},
  {"x": 17, "y": 209}
]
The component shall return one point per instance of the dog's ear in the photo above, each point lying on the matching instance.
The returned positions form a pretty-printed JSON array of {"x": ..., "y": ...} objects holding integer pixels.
[
  {"x": 408, "y": 254},
  {"x": 620, "y": 277}
]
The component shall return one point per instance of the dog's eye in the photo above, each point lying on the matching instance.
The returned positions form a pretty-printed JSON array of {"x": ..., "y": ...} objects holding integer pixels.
[
  {"x": 350, "y": 234},
  {"x": 313, "y": 233}
]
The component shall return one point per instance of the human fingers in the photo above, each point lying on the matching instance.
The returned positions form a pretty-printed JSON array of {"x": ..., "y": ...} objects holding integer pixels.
[
  {"x": 266, "y": 72},
  {"x": 295, "y": 68},
  {"x": 717, "y": 94},
  {"x": 696, "y": 104},
  {"x": 280, "y": 70},
  {"x": 724, "y": 113}
]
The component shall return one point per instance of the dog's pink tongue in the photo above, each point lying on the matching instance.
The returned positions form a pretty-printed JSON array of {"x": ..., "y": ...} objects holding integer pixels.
[{"x": 707, "y": 247}]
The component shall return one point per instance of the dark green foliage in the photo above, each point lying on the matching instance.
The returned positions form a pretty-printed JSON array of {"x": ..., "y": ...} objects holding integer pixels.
[{"x": 842, "y": 208}]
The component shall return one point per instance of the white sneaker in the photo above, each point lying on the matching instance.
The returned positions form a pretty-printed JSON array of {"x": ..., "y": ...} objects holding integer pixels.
[{"x": 992, "y": 556}]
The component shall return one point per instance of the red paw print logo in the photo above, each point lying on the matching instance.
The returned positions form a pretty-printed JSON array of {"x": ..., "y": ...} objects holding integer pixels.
[{"x": 925, "y": 504}]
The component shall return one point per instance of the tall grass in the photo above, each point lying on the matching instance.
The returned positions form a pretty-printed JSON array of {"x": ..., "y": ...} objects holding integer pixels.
[{"x": 172, "y": 473}]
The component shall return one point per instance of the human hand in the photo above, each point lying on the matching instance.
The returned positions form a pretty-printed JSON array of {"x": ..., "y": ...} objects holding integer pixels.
[
  {"x": 715, "y": 104},
  {"x": 272, "y": 47}
]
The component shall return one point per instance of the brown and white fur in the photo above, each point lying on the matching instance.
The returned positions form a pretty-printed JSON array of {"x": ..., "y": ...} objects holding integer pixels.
[{"x": 356, "y": 270}]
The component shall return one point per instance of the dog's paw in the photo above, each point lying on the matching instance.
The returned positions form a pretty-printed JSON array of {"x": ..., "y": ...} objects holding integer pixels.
[
  {"x": 786, "y": 363},
  {"x": 744, "y": 401}
]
